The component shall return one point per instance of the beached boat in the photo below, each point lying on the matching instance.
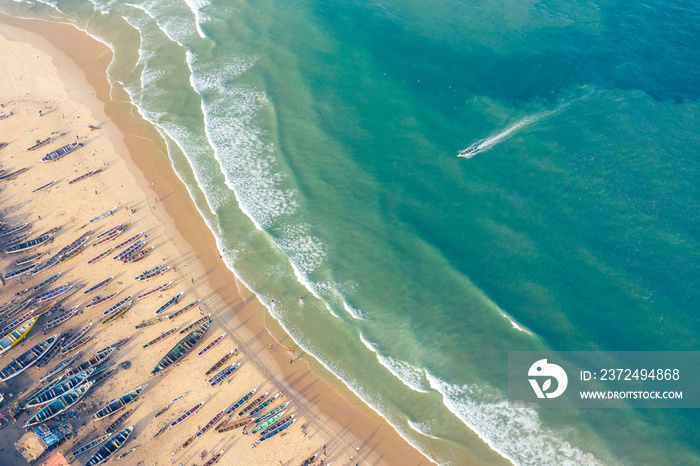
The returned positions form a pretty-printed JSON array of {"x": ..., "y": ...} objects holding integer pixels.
[
  {"x": 16, "y": 323},
  {"x": 220, "y": 363},
  {"x": 103, "y": 375},
  {"x": 86, "y": 175},
  {"x": 59, "y": 389},
  {"x": 265, "y": 404},
  {"x": 100, "y": 256},
  {"x": 48, "y": 356},
  {"x": 149, "y": 322},
  {"x": 131, "y": 250},
  {"x": 117, "y": 306},
  {"x": 98, "y": 300},
  {"x": 118, "y": 403},
  {"x": 154, "y": 272},
  {"x": 45, "y": 387},
  {"x": 254, "y": 403},
  {"x": 171, "y": 302},
  {"x": 90, "y": 445},
  {"x": 59, "y": 405},
  {"x": 240, "y": 402},
  {"x": 108, "y": 449},
  {"x": 98, "y": 286},
  {"x": 13, "y": 175},
  {"x": 17, "y": 229},
  {"x": 31, "y": 244},
  {"x": 121, "y": 342},
  {"x": 15, "y": 310},
  {"x": 41, "y": 143},
  {"x": 19, "y": 272},
  {"x": 115, "y": 425},
  {"x": 277, "y": 430},
  {"x": 60, "y": 367},
  {"x": 184, "y": 309},
  {"x": 224, "y": 374},
  {"x": 29, "y": 259},
  {"x": 77, "y": 336},
  {"x": 161, "y": 337},
  {"x": 118, "y": 313},
  {"x": 127, "y": 453},
  {"x": 268, "y": 423},
  {"x": 51, "y": 294},
  {"x": 187, "y": 414},
  {"x": 276, "y": 425},
  {"x": 279, "y": 409},
  {"x": 47, "y": 185},
  {"x": 76, "y": 344},
  {"x": 99, "y": 357},
  {"x": 168, "y": 406},
  {"x": 41, "y": 285},
  {"x": 138, "y": 255},
  {"x": 128, "y": 241},
  {"x": 103, "y": 215},
  {"x": 16, "y": 239},
  {"x": 183, "y": 347},
  {"x": 214, "y": 459},
  {"x": 196, "y": 323},
  {"x": 162, "y": 287},
  {"x": 28, "y": 359},
  {"x": 210, "y": 424},
  {"x": 111, "y": 237},
  {"x": 216, "y": 341},
  {"x": 16, "y": 335},
  {"x": 60, "y": 152},
  {"x": 225, "y": 428}
]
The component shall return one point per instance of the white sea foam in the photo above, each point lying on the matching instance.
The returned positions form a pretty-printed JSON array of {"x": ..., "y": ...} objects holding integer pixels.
[
  {"x": 196, "y": 6},
  {"x": 409, "y": 375},
  {"x": 355, "y": 313},
  {"x": 422, "y": 428},
  {"x": 516, "y": 434}
]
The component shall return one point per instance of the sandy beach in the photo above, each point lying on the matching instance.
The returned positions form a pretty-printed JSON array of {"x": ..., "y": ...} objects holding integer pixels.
[{"x": 59, "y": 89}]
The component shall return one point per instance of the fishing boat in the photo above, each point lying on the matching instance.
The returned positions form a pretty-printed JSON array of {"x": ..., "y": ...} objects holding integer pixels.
[
  {"x": 47, "y": 185},
  {"x": 28, "y": 259},
  {"x": 60, "y": 152},
  {"x": 235, "y": 425},
  {"x": 16, "y": 229},
  {"x": 268, "y": 423},
  {"x": 120, "y": 343},
  {"x": 277, "y": 430},
  {"x": 46, "y": 296},
  {"x": 59, "y": 389},
  {"x": 98, "y": 286},
  {"x": 117, "y": 306},
  {"x": 254, "y": 403},
  {"x": 469, "y": 151},
  {"x": 98, "y": 300},
  {"x": 16, "y": 323},
  {"x": 162, "y": 287},
  {"x": 60, "y": 367},
  {"x": 187, "y": 414},
  {"x": 91, "y": 445},
  {"x": 103, "y": 375},
  {"x": 112, "y": 230},
  {"x": 16, "y": 239},
  {"x": 149, "y": 322},
  {"x": 31, "y": 244},
  {"x": 126, "y": 453},
  {"x": 279, "y": 409},
  {"x": 111, "y": 237},
  {"x": 118, "y": 403},
  {"x": 220, "y": 363},
  {"x": 195, "y": 324},
  {"x": 162, "y": 337},
  {"x": 223, "y": 374},
  {"x": 210, "y": 424},
  {"x": 162, "y": 429},
  {"x": 100, "y": 256},
  {"x": 184, "y": 309},
  {"x": 76, "y": 344},
  {"x": 240, "y": 402},
  {"x": 45, "y": 387},
  {"x": 216, "y": 341},
  {"x": 44, "y": 360},
  {"x": 183, "y": 347},
  {"x": 109, "y": 448},
  {"x": 115, "y": 425},
  {"x": 155, "y": 271},
  {"x": 59, "y": 405},
  {"x": 276, "y": 425},
  {"x": 103, "y": 215},
  {"x": 172, "y": 301},
  {"x": 118, "y": 313},
  {"x": 264, "y": 404},
  {"x": 128, "y": 252},
  {"x": 168, "y": 405},
  {"x": 86, "y": 175},
  {"x": 40, "y": 143},
  {"x": 189, "y": 440},
  {"x": 129, "y": 241},
  {"x": 78, "y": 335},
  {"x": 18, "y": 272},
  {"x": 27, "y": 359},
  {"x": 138, "y": 255},
  {"x": 41, "y": 285},
  {"x": 14, "y": 311},
  {"x": 16, "y": 335},
  {"x": 99, "y": 357},
  {"x": 214, "y": 459},
  {"x": 13, "y": 175}
]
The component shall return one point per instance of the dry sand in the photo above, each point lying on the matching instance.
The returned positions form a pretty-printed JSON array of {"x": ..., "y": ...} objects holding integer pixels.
[{"x": 72, "y": 92}]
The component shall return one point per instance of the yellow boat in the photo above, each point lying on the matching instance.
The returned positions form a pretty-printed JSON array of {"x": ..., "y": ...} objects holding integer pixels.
[{"x": 15, "y": 336}]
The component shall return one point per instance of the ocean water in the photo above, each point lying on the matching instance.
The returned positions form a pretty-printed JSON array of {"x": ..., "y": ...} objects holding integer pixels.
[{"x": 319, "y": 142}]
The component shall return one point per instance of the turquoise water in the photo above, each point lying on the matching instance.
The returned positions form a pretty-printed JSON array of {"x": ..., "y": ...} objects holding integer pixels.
[{"x": 319, "y": 142}]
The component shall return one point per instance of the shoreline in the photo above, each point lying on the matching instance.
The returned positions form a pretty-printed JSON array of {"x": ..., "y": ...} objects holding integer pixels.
[{"x": 379, "y": 443}]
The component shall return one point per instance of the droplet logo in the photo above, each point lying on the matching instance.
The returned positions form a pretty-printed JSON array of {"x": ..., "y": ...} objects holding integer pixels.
[{"x": 542, "y": 369}]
